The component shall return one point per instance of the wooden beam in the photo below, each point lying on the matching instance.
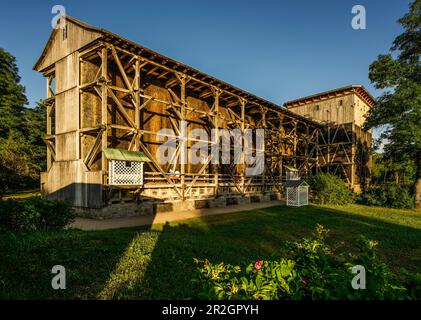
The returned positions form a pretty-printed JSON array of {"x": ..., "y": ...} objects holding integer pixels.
[
  {"x": 158, "y": 167},
  {"x": 120, "y": 67},
  {"x": 121, "y": 108},
  {"x": 174, "y": 97},
  {"x": 104, "y": 110},
  {"x": 215, "y": 109},
  {"x": 204, "y": 166},
  {"x": 152, "y": 70},
  {"x": 184, "y": 136},
  {"x": 243, "y": 110},
  {"x": 206, "y": 94},
  {"x": 97, "y": 142},
  {"x": 172, "y": 82},
  {"x": 137, "y": 104}
]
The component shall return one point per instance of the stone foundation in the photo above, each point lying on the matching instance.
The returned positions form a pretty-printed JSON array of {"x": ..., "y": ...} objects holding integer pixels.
[
  {"x": 243, "y": 200},
  {"x": 217, "y": 202},
  {"x": 117, "y": 210},
  {"x": 133, "y": 209}
]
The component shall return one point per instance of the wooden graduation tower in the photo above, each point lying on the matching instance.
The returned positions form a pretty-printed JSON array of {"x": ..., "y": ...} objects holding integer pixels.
[
  {"x": 345, "y": 144},
  {"x": 106, "y": 92}
]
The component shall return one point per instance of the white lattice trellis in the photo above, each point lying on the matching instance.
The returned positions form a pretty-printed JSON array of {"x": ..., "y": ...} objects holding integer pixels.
[
  {"x": 125, "y": 172},
  {"x": 297, "y": 196}
]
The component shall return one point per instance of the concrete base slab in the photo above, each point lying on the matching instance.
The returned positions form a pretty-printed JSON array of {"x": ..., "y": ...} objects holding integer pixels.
[
  {"x": 117, "y": 210},
  {"x": 133, "y": 209},
  {"x": 266, "y": 197},
  {"x": 165, "y": 217},
  {"x": 217, "y": 202},
  {"x": 243, "y": 200}
]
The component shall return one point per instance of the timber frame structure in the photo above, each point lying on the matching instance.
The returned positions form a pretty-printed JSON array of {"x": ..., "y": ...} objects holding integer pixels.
[
  {"x": 104, "y": 91},
  {"x": 346, "y": 146}
]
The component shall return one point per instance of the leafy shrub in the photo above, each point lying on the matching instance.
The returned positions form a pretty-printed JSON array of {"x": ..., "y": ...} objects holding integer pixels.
[
  {"x": 329, "y": 189},
  {"x": 261, "y": 280},
  {"x": 389, "y": 195},
  {"x": 34, "y": 214},
  {"x": 413, "y": 283},
  {"x": 314, "y": 270}
]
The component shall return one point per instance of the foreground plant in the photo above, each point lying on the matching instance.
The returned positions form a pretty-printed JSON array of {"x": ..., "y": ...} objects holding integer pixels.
[
  {"x": 314, "y": 270},
  {"x": 34, "y": 214}
]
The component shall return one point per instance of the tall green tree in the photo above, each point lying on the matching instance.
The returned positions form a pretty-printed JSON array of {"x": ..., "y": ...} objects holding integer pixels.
[
  {"x": 22, "y": 149},
  {"x": 12, "y": 95},
  {"x": 398, "y": 109},
  {"x": 35, "y": 128}
]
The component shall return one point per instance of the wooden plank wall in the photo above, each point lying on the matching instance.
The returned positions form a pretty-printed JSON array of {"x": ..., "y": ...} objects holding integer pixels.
[{"x": 60, "y": 46}]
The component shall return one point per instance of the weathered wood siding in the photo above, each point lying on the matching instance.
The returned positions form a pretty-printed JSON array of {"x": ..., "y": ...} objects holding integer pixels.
[
  {"x": 339, "y": 109},
  {"x": 61, "y": 45}
]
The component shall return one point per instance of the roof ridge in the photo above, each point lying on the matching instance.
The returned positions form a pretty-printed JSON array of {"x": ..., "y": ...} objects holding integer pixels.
[{"x": 352, "y": 86}]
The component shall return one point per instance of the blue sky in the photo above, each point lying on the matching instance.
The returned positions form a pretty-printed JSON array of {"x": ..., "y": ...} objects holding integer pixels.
[{"x": 279, "y": 50}]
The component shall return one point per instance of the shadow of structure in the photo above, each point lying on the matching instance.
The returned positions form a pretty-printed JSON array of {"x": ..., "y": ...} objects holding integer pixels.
[
  {"x": 157, "y": 262},
  {"x": 166, "y": 270}
]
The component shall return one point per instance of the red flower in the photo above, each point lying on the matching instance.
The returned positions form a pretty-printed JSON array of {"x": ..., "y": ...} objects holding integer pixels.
[
  {"x": 258, "y": 265},
  {"x": 206, "y": 262},
  {"x": 304, "y": 281}
]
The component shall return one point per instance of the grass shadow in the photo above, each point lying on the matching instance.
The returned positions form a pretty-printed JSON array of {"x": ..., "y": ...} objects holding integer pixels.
[
  {"x": 157, "y": 262},
  {"x": 88, "y": 257},
  {"x": 260, "y": 234}
]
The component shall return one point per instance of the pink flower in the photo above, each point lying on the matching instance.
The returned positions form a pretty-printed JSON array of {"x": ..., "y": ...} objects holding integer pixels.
[
  {"x": 258, "y": 265},
  {"x": 304, "y": 281},
  {"x": 206, "y": 262}
]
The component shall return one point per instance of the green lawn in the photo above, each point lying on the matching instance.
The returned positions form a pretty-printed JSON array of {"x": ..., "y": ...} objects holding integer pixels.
[
  {"x": 22, "y": 195},
  {"x": 143, "y": 263}
]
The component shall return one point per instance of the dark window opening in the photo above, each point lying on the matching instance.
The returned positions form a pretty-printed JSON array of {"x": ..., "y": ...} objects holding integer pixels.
[
  {"x": 128, "y": 164},
  {"x": 64, "y": 32}
]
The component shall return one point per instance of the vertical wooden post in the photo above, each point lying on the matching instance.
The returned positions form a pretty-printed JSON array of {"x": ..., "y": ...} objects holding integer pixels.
[
  {"x": 264, "y": 110},
  {"x": 183, "y": 132},
  {"x": 136, "y": 89},
  {"x": 216, "y": 140},
  {"x": 328, "y": 141},
  {"x": 352, "y": 155},
  {"x": 307, "y": 144},
  {"x": 280, "y": 138},
  {"x": 243, "y": 159},
  {"x": 49, "y": 107},
  {"x": 48, "y": 84},
  {"x": 104, "y": 111},
  {"x": 78, "y": 70},
  {"x": 317, "y": 150},
  {"x": 295, "y": 144}
]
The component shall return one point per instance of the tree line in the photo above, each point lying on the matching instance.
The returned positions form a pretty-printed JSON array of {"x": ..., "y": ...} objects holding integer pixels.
[
  {"x": 22, "y": 148},
  {"x": 398, "y": 109}
]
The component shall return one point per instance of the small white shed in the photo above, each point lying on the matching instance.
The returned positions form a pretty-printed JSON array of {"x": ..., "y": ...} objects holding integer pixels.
[
  {"x": 296, "y": 189},
  {"x": 125, "y": 167}
]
